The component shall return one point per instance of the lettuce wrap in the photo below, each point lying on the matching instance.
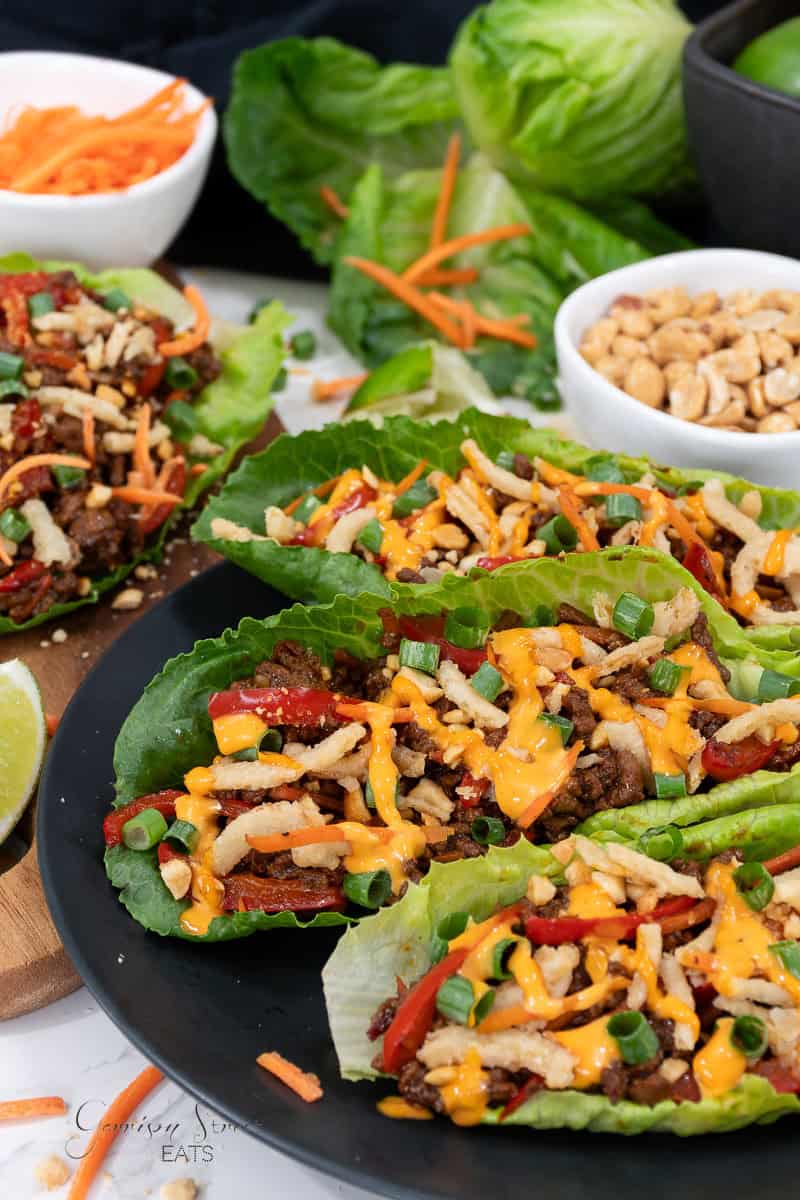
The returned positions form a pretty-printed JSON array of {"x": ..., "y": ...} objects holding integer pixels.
[
  {"x": 403, "y": 942},
  {"x": 228, "y": 412},
  {"x": 293, "y": 466},
  {"x": 175, "y": 728}
]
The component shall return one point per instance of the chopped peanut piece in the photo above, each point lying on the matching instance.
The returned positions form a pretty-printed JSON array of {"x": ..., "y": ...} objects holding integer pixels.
[{"x": 51, "y": 1173}]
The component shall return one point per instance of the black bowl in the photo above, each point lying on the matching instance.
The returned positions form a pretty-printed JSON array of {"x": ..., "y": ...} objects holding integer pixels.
[{"x": 744, "y": 136}]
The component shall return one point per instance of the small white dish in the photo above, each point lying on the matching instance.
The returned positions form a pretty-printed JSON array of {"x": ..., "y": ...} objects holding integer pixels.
[
  {"x": 130, "y": 228},
  {"x": 610, "y": 419}
]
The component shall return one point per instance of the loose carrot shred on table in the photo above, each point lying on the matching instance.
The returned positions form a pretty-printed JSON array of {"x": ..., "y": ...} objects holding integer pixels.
[
  {"x": 411, "y": 478},
  {"x": 87, "y": 423},
  {"x": 142, "y": 461},
  {"x": 329, "y": 389},
  {"x": 448, "y": 277},
  {"x": 455, "y": 245},
  {"x": 190, "y": 339},
  {"x": 334, "y": 202},
  {"x": 40, "y": 460},
  {"x": 445, "y": 200},
  {"x": 570, "y": 507},
  {"x": 64, "y": 150},
  {"x": 52, "y": 722},
  {"x": 109, "y": 1127},
  {"x": 141, "y": 495},
  {"x": 25, "y": 1110},
  {"x": 404, "y": 290},
  {"x": 302, "y": 1083}
]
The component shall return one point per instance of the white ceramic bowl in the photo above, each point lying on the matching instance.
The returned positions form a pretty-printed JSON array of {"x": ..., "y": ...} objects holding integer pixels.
[
  {"x": 610, "y": 419},
  {"x": 130, "y": 228}
]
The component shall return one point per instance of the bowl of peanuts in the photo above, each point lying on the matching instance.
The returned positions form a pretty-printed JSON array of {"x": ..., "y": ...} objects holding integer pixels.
[{"x": 691, "y": 358}]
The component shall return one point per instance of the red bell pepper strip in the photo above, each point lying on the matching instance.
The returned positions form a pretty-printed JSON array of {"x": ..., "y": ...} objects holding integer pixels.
[
  {"x": 724, "y": 761},
  {"x": 430, "y": 629},
  {"x": 702, "y": 911},
  {"x": 245, "y": 893},
  {"x": 279, "y": 706},
  {"x": 471, "y": 791},
  {"x": 166, "y": 853},
  {"x": 698, "y": 563},
  {"x": 783, "y": 862},
  {"x": 553, "y": 931},
  {"x": 492, "y": 562},
  {"x": 781, "y": 1078},
  {"x": 415, "y": 1014},
  {"x": 163, "y": 801},
  {"x": 151, "y": 377},
  {"x": 20, "y": 576},
  {"x": 528, "y": 1089}
]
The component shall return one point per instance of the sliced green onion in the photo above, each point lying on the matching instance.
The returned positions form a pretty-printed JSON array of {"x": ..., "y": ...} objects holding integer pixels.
[
  {"x": 558, "y": 534},
  {"x": 500, "y": 955},
  {"x": 116, "y": 299},
  {"x": 669, "y": 787},
  {"x": 635, "y": 1037},
  {"x": 68, "y": 477},
  {"x": 633, "y": 616},
  {"x": 488, "y": 682},
  {"x": 774, "y": 686},
  {"x": 40, "y": 303},
  {"x": 749, "y": 1034},
  {"x": 676, "y": 640},
  {"x": 488, "y": 831},
  {"x": 562, "y": 724},
  {"x": 180, "y": 374},
  {"x": 483, "y": 1007},
  {"x": 305, "y": 510},
  {"x": 417, "y": 496},
  {"x": 256, "y": 309},
  {"x": 421, "y": 656},
  {"x": 664, "y": 676},
  {"x": 789, "y": 954},
  {"x": 604, "y": 469},
  {"x": 280, "y": 380},
  {"x": 621, "y": 508},
  {"x": 12, "y": 387},
  {"x": 271, "y": 742},
  {"x": 182, "y": 834},
  {"x": 452, "y": 926},
  {"x": 144, "y": 830},
  {"x": 248, "y": 754},
  {"x": 466, "y": 627},
  {"x": 371, "y": 536},
  {"x": 304, "y": 344},
  {"x": 455, "y": 998},
  {"x": 693, "y": 485},
  {"x": 369, "y": 889},
  {"x": 182, "y": 420},
  {"x": 438, "y": 949},
  {"x": 505, "y": 460},
  {"x": 755, "y": 884},
  {"x": 11, "y": 365},
  {"x": 662, "y": 843},
  {"x": 13, "y": 525}
]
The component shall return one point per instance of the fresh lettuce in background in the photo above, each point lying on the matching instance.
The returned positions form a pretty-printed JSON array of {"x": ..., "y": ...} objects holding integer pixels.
[
  {"x": 231, "y": 410},
  {"x": 308, "y": 113},
  {"x": 395, "y": 943},
  {"x": 582, "y": 98},
  {"x": 293, "y": 465}
]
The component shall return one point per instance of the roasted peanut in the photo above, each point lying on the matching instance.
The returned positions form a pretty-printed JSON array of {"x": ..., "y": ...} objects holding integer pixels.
[
  {"x": 763, "y": 319},
  {"x": 597, "y": 340},
  {"x": 677, "y": 370},
  {"x": 743, "y": 302},
  {"x": 737, "y": 368},
  {"x": 704, "y": 305},
  {"x": 789, "y": 327},
  {"x": 668, "y": 344},
  {"x": 756, "y": 398},
  {"x": 746, "y": 344},
  {"x": 721, "y": 327},
  {"x": 728, "y": 417},
  {"x": 612, "y": 368},
  {"x": 645, "y": 382},
  {"x": 781, "y": 298},
  {"x": 664, "y": 304},
  {"x": 628, "y": 347},
  {"x": 687, "y": 397},
  {"x": 781, "y": 387},
  {"x": 777, "y": 422},
  {"x": 719, "y": 390},
  {"x": 775, "y": 351}
]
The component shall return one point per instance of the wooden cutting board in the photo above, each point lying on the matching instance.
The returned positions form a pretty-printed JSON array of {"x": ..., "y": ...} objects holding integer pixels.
[{"x": 34, "y": 968}]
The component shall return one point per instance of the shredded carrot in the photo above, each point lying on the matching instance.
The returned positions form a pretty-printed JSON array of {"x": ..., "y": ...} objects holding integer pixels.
[
  {"x": 190, "y": 339},
  {"x": 334, "y": 202},
  {"x": 140, "y": 495},
  {"x": 87, "y": 422},
  {"x": 553, "y": 476},
  {"x": 506, "y": 331},
  {"x": 463, "y": 312},
  {"x": 404, "y": 290},
  {"x": 66, "y": 151},
  {"x": 447, "y": 249},
  {"x": 275, "y": 843},
  {"x": 5, "y": 557},
  {"x": 679, "y": 522},
  {"x": 725, "y": 706},
  {"x": 302, "y": 1083},
  {"x": 320, "y": 490},
  {"x": 198, "y": 468},
  {"x": 570, "y": 507},
  {"x": 40, "y": 460},
  {"x": 360, "y": 712},
  {"x": 411, "y": 478},
  {"x": 105, "y": 1134},
  {"x": 448, "y": 277},
  {"x": 25, "y": 1110},
  {"x": 330, "y": 389},
  {"x": 444, "y": 202},
  {"x": 142, "y": 461},
  {"x": 52, "y": 722}
]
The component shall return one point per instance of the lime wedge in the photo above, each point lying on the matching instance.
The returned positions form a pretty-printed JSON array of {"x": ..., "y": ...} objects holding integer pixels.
[{"x": 23, "y": 736}]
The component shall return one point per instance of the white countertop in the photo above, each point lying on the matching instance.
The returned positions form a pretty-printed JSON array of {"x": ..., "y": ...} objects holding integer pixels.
[{"x": 72, "y": 1049}]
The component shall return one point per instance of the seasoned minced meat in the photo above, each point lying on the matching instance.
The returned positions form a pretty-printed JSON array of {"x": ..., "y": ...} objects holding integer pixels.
[
  {"x": 291, "y": 665},
  {"x": 701, "y": 634},
  {"x": 523, "y": 467},
  {"x": 576, "y": 706},
  {"x": 614, "y": 782}
]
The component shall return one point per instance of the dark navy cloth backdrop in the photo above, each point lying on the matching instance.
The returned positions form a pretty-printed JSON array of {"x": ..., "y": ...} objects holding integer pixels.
[{"x": 201, "y": 41}]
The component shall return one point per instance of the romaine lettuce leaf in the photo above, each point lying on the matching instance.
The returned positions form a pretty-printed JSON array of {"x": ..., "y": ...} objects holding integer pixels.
[
  {"x": 231, "y": 410},
  {"x": 311, "y": 113}
]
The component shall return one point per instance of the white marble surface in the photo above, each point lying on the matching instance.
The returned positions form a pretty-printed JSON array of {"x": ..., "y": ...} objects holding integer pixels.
[{"x": 72, "y": 1049}]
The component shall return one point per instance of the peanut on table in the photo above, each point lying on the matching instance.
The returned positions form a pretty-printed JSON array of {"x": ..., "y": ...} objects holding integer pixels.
[{"x": 732, "y": 362}]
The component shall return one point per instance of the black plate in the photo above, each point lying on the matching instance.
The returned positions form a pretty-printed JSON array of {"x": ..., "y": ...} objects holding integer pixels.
[{"x": 203, "y": 1013}]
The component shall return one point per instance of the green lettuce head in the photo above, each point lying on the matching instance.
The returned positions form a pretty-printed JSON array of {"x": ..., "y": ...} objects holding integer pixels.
[{"x": 231, "y": 410}]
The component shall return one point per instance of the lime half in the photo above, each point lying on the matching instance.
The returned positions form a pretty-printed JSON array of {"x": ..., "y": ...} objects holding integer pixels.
[{"x": 23, "y": 737}]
